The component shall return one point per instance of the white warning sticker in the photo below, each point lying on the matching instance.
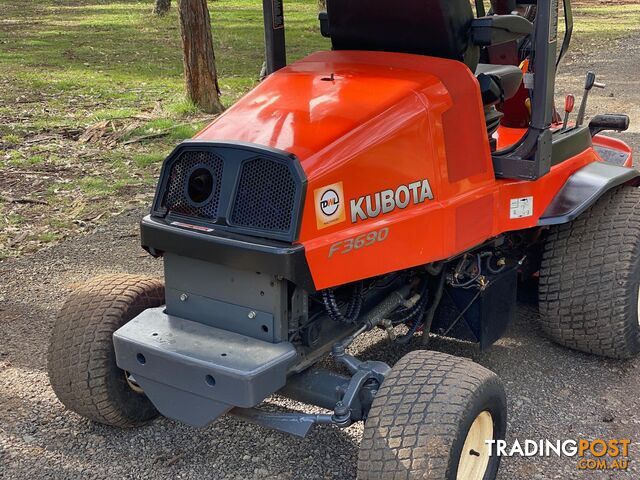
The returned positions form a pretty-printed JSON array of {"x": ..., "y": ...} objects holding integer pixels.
[{"x": 521, "y": 207}]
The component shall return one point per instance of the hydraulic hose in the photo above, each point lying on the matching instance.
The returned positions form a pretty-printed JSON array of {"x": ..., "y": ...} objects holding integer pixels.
[
  {"x": 415, "y": 314},
  {"x": 352, "y": 312}
]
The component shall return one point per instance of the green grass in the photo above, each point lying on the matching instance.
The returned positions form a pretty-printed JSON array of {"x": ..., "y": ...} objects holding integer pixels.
[
  {"x": 11, "y": 139},
  {"x": 96, "y": 186},
  {"x": 120, "y": 52},
  {"x": 181, "y": 108},
  {"x": 146, "y": 159},
  {"x": 113, "y": 114},
  {"x": 14, "y": 219},
  {"x": 606, "y": 22},
  {"x": 48, "y": 237}
]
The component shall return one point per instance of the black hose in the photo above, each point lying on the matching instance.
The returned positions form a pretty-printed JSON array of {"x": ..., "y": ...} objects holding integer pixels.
[
  {"x": 409, "y": 314},
  {"x": 428, "y": 321},
  {"x": 471, "y": 282},
  {"x": 415, "y": 314},
  {"x": 352, "y": 312},
  {"x": 492, "y": 270}
]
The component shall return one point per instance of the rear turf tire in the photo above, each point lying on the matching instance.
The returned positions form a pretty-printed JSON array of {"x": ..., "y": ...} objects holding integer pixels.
[
  {"x": 590, "y": 276},
  {"x": 81, "y": 360},
  {"x": 429, "y": 410}
]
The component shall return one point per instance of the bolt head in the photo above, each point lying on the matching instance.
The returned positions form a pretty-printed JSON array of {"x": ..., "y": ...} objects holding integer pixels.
[
  {"x": 252, "y": 315},
  {"x": 183, "y": 297}
]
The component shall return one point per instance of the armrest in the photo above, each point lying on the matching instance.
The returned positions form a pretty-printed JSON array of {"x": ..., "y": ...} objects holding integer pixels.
[{"x": 496, "y": 29}]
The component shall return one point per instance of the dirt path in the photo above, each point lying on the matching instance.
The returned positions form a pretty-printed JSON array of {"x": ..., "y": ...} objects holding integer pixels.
[
  {"x": 553, "y": 393},
  {"x": 618, "y": 67}
]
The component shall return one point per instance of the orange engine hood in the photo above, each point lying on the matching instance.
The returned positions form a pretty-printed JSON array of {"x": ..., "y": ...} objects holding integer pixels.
[{"x": 310, "y": 104}]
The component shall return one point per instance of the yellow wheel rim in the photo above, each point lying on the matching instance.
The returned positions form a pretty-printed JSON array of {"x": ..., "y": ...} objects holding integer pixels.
[
  {"x": 474, "y": 458},
  {"x": 639, "y": 306},
  {"x": 133, "y": 385}
]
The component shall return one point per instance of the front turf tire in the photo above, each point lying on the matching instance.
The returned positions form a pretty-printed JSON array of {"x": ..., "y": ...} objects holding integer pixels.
[
  {"x": 81, "y": 360},
  {"x": 426, "y": 415},
  {"x": 590, "y": 276}
]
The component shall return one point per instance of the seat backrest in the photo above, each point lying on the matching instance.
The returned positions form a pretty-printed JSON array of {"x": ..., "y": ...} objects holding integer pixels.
[
  {"x": 439, "y": 28},
  {"x": 503, "y": 7}
]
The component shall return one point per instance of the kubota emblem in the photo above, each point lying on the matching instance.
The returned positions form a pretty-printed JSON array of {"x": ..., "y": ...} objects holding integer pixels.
[
  {"x": 372, "y": 205},
  {"x": 329, "y": 202}
]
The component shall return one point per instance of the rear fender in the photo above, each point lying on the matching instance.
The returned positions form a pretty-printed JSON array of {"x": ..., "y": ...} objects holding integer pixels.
[{"x": 584, "y": 188}]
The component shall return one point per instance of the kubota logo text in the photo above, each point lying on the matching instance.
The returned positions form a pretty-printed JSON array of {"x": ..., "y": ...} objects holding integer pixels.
[{"x": 370, "y": 206}]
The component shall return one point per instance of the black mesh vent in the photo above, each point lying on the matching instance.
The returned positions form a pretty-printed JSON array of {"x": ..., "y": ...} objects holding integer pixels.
[
  {"x": 177, "y": 200},
  {"x": 266, "y": 196}
]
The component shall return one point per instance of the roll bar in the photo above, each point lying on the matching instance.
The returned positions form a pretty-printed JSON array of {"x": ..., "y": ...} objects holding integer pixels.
[
  {"x": 275, "y": 47},
  {"x": 531, "y": 157}
]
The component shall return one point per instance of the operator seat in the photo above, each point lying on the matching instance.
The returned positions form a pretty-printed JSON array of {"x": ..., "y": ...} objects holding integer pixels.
[
  {"x": 508, "y": 77},
  {"x": 437, "y": 28}
]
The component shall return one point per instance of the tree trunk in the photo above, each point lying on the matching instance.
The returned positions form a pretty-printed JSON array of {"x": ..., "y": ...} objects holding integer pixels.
[
  {"x": 161, "y": 7},
  {"x": 199, "y": 60}
]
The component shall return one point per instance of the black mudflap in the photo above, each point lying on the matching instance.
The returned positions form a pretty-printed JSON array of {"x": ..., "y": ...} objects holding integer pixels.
[{"x": 488, "y": 317}]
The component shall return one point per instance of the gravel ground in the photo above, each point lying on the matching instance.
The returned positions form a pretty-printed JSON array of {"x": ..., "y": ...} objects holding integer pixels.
[{"x": 553, "y": 393}]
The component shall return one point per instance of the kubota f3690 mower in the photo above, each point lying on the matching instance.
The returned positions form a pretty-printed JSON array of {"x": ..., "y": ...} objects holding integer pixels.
[{"x": 409, "y": 179}]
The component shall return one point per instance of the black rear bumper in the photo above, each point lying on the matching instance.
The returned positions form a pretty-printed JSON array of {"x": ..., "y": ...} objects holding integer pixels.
[{"x": 224, "y": 248}]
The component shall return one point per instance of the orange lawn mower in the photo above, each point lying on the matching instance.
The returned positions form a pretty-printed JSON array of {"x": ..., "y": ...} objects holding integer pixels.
[{"x": 411, "y": 179}]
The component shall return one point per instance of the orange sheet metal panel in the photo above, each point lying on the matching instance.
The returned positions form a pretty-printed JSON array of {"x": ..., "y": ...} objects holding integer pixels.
[{"x": 396, "y": 155}]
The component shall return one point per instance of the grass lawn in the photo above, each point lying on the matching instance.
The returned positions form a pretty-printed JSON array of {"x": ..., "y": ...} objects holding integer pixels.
[{"x": 82, "y": 80}]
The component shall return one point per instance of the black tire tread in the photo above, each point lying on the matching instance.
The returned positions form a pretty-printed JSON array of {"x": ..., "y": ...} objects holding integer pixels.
[
  {"x": 415, "y": 416},
  {"x": 81, "y": 357},
  {"x": 589, "y": 278}
]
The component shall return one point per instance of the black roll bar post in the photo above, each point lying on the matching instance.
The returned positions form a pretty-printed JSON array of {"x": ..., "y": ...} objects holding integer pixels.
[
  {"x": 274, "y": 38},
  {"x": 531, "y": 157}
]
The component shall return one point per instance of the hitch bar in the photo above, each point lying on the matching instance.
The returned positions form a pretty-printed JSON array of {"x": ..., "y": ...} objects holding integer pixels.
[{"x": 297, "y": 424}]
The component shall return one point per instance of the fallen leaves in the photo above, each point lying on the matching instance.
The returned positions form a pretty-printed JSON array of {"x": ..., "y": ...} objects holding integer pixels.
[
  {"x": 23, "y": 200},
  {"x": 61, "y": 175},
  {"x": 18, "y": 239},
  {"x": 108, "y": 132}
]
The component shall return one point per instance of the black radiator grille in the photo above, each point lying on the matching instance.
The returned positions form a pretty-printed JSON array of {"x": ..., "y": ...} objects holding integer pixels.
[
  {"x": 266, "y": 196},
  {"x": 177, "y": 200},
  {"x": 238, "y": 188}
]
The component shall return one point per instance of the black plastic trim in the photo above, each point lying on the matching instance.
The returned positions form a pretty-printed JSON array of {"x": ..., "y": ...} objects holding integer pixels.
[
  {"x": 584, "y": 188},
  {"x": 496, "y": 29},
  {"x": 234, "y": 154},
  {"x": 569, "y": 143},
  {"x": 226, "y": 248}
]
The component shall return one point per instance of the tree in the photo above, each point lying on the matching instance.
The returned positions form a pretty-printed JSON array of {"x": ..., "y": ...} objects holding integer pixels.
[
  {"x": 198, "y": 57},
  {"x": 161, "y": 7}
]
